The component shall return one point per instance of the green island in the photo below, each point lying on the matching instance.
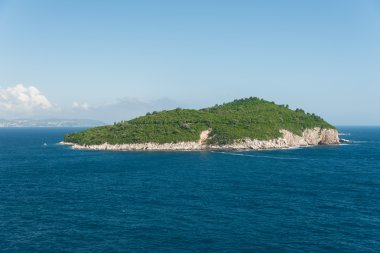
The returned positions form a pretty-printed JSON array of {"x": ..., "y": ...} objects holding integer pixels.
[{"x": 252, "y": 118}]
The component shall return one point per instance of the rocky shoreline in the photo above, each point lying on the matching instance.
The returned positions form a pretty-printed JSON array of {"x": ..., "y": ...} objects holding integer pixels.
[{"x": 310, "y": 137}]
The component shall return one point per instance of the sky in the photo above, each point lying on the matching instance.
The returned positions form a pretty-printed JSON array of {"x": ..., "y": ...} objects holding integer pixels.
[{"x": 114, "y": 60}]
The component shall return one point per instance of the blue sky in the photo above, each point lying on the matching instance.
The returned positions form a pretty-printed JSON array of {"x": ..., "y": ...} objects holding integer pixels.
[{"x": 113, "y": 60}]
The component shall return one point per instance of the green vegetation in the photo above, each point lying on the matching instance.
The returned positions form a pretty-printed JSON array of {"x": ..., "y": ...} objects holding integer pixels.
[{"x": 251, "y": 117}]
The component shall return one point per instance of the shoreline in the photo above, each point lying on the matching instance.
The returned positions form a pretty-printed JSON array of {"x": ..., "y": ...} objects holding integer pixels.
[{"x": 310, "y": 137}]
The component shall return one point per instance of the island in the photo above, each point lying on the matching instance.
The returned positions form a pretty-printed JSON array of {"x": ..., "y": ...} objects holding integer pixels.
[{"x": 250, "y": 123}]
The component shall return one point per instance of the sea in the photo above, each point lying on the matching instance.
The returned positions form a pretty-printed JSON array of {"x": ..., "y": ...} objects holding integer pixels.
[{"x": 316, "y": 199}]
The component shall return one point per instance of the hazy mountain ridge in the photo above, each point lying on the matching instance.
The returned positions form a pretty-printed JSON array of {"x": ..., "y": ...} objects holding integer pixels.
[{"x": 50, "y": 123}]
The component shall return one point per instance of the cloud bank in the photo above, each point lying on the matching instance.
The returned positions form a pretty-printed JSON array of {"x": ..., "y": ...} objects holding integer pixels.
[
  {"x": 121, "y": 109},
  {"x": 78, "y": 105},
  {"x": 21, "y": 99}
]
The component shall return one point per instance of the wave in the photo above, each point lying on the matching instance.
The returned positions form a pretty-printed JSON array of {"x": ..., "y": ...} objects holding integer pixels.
[
  {"x": 257, "y": 156},
  {"x": 353, "y": 141}
]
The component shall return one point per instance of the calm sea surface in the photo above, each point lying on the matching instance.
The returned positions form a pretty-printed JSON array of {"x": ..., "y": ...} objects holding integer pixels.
[{"x": 54, "y": 199}]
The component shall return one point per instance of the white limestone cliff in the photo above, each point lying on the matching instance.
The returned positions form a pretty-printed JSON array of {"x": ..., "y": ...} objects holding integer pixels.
[{"x": 310, "y": 137}]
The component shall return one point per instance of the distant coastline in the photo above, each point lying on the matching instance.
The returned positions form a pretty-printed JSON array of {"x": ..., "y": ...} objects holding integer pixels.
[{"x": 50, "y": 123}]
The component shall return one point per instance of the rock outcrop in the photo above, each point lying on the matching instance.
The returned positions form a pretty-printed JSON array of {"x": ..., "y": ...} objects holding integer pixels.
[
  {"x": 313, "y": 136},
  {"x": 310, "y": 137}
]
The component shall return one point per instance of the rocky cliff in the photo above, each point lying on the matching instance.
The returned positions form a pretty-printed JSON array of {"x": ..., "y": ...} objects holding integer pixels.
[{"x": 310, "y": 137}]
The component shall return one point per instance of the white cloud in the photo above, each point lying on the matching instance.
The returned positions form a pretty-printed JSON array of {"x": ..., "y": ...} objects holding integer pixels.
[
  {"x": 121, "y": 109},
  {"x": 83, "y": 106},
  {"x": 21, "y": 99}
]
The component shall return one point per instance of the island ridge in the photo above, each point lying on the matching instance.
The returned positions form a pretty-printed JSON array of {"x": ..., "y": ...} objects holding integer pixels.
[{"x": 250, "y": 123}]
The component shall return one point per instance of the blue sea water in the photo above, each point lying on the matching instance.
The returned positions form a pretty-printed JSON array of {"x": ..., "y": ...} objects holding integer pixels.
[{"x": 55, "y": 199}]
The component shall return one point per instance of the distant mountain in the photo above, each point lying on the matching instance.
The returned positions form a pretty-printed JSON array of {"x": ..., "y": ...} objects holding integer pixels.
[{"x": 50, "y": 123}]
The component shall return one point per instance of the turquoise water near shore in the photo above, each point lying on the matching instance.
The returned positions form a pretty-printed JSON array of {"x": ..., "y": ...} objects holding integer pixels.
[{"x": 319, "y": 199}]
